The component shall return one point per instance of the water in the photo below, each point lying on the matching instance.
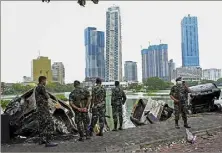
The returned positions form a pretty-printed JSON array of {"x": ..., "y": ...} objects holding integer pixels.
[{"x": 127, "y": 108}]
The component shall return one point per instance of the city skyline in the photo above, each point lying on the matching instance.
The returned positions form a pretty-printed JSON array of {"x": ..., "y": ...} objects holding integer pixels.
[{"x": 57, "y": 30}]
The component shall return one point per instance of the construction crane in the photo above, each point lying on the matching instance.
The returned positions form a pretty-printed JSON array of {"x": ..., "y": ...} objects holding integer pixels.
[{"x": 80, "y": 2}]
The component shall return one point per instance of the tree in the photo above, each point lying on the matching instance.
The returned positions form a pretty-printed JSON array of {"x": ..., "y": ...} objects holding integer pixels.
[
  {"x": 155, "y": 83},
  {"x": 206, "y": 81},
  {"x": 219, "y": 81}
]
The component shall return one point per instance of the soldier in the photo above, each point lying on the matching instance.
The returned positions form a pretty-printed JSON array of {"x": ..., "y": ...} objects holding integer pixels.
[
  {"x": 79, "y": 99},
  {"x": 46, "y": 125},
  {"x": 98, "y": 106},
  {"x": 178, "y": 94},
  {"x": 118, "y": 99}
]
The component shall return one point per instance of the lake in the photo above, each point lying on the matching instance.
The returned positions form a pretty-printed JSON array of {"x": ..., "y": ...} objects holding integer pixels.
[{"x": 127, "y": 108}]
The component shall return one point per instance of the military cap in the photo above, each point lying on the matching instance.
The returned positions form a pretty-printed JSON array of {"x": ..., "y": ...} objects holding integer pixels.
[
  {"x": 98, "y": 80},
  {"x": 179, "y": 79}
]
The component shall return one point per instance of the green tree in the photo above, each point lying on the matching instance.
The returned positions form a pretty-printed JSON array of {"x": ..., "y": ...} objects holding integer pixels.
[
  {"x": 155, "y": 83},
  {"x": 206, "y": 81},
  {"x": 219, "y": 81}
]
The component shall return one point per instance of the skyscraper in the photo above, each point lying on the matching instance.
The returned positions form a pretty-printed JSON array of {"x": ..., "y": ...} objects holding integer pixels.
[
  {"x": 130, "y": 69},
  {"x": 190, "y": 44},
  {"x": 172, "y": 70},
  {"x": 41, "y": 67},
  {"x": 94, "y": 54},
  {"x": 113, "y": 44},
  {"x": 58, "y": 72},
  {"x": 155, "y": 62}
]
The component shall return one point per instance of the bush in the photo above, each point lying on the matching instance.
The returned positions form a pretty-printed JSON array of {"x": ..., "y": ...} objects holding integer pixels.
[
  {"x": 62, "y": 97},
  {"x": 4, "y": 103}
]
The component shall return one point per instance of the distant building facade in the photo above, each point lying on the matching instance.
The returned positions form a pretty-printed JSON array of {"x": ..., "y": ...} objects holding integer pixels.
[
  {"x": 113, "y": 45},
  {"x": 190, "y": 43},
  {"x": 41, "y": 67},
  {"x": 58, "y": 72},
  {"x": 130, "y": 69},
  {"x": 211, "y": 74},
  {"x": 155, "y": 62},
  {"x": 189, "y": 73},
  {"x": 27, "y": 79},
  {"x": 172, "y": 70},
  {"x": 94, "y": 54}
]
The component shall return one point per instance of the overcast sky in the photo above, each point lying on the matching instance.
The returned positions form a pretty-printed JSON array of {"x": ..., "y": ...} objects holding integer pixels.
[{"x": 57, "y": 30}]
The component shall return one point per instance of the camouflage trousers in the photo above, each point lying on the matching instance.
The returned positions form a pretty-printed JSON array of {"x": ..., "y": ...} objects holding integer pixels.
[
  {"x": 82, "y": 122},
  {"x": 98, "y": 112},
  {"x": 117, "y": 111},
  {"x": 46, "y": 124},
  {"x": 180, "y": 109}
]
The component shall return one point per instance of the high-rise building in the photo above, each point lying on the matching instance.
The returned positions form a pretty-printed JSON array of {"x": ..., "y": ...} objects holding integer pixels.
[
  {"x": 58, "y": 72},
  {"x": 172, "y": 70},
  {"x": 41, "y": 67},
  {"x": 211, "y": 74},
  {"x": 130, "y": 69},
  {"x": 94, "y": 54},
  {"x": 155, "y": 62},
  {"x": 190, "y": 44},
  {"x": 113, "y": 45}
]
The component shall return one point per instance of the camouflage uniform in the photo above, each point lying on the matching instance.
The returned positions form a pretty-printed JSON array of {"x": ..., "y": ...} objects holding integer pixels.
[
  {"x": 118, "y": 98},
  {"x": 46, "y": 124},
  {"x": 98, "y": 106},
  {"x": 180, "y": 92},
  {"x": 79, "y": 96}
]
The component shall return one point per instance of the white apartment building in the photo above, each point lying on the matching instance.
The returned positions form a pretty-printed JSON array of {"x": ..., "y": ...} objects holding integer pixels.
[
  {"x": 211, "y": 74},
  {"x": 58, "y": 72},
  {"x": 113, "y": 70}
]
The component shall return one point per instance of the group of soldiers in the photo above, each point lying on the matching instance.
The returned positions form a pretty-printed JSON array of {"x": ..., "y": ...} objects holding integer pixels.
[{"x": 81, "y": 102}]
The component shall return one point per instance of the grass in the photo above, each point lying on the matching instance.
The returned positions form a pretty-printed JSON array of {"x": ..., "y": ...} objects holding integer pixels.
[{"x": 4, "y": 103}]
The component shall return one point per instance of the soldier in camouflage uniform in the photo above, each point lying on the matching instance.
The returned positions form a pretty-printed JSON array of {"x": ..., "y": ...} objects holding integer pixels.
[
  {"x": 118, "y": 99},
  {"x": 179, "y": 94},
  {"x": 98, "y": 106},
  {"x": 79, "y": 99},
  {"x": 46, "y": 125}
]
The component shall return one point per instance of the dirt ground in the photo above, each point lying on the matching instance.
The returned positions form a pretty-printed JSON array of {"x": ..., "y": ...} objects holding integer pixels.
[{"x": 206, "y": 143}]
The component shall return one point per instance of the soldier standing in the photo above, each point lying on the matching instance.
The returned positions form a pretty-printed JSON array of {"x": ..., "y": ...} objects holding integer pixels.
[
  {"x": 178, "y": 94},
  {"x": 46, "y": 125},
  {"x": 79, "y": 99},
  {"x": 98, "y": 106},
  {"x": 118, "y": 99}
]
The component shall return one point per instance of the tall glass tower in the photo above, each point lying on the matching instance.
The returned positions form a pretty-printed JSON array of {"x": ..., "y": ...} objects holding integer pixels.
[
  {"x": 94, "y": 54},
  {"x": 113, "y": 45},
  {"x": 190, "y": 44}
]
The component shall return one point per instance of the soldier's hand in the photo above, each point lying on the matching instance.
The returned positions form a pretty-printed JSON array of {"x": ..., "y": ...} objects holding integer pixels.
[
  {"x": 90, "y": 110},
  {"x": 84, "y": 110}
]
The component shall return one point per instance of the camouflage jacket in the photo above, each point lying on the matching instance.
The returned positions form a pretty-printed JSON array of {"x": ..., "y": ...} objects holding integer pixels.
[
  {"x": 41, "y": 95},
  {"x": 79, "y": 97},
  {"x": 118, "y": 96},
  {"x": 98, "y": 95},
  {"x": 179, "y": 92}
]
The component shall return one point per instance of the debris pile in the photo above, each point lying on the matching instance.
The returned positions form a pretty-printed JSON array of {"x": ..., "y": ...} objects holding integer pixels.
[{"x": 22, "y": 115}]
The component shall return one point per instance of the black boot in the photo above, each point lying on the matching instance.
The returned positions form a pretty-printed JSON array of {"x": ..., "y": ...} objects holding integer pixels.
[
  {"x": 186, "y": 125},
  {"x": 115, "y": 126},
  {"x": 81, "y": 135},
  {"x": 121, "y": 124},
  {"x": 87, "y": 135},
  {"x": 51, "y": 144},
  {"x": 177, "y": 125}
]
